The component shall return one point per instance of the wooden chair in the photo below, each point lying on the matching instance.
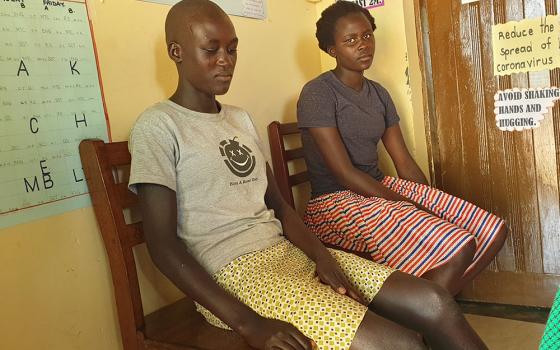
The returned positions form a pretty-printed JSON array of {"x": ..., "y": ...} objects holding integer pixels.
[
  {"x": 175, "y": 327},
  {"x": 280, "y": 159}
]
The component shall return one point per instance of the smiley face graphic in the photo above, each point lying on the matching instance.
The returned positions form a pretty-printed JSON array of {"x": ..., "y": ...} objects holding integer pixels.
[{"x": 239, "y": 159}]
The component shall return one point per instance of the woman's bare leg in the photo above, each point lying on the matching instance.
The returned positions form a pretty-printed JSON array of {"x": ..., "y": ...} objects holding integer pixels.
[
  {"x": 425, "y": 307},
  {"x": 378, "y": 333},
  {"x": 450, "y": 275},
  {"x": 487, "y": 257}
]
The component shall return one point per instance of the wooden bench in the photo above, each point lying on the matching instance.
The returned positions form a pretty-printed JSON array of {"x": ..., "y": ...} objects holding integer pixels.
[{"x": 174, "y": 327}]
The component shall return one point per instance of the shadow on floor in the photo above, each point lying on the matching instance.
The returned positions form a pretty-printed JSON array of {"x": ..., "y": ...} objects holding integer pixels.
[
  {"x": 512, "y": 312},
  {"x": 505, "y": 334}
]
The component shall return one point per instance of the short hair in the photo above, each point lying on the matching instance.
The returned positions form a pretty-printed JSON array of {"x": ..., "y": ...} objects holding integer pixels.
[
  {"x": 186, "y": 11},
  {"x": 326, "y": 24}
]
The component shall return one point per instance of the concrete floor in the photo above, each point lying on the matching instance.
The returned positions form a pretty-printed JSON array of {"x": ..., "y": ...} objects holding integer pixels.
[{"x": 504, "y": 334}]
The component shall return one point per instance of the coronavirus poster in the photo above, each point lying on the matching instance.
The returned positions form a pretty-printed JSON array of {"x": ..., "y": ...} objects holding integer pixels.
[
  {"x": 522, "y": 109},
  {"x": 530, "y": 45}
]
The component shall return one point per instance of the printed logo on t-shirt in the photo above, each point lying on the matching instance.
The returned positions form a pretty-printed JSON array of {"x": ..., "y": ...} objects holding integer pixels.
[{"x": 239, "y": 159}]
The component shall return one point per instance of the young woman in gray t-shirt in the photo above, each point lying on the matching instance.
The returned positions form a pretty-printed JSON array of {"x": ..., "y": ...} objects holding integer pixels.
[{"x": 401, "y": 222}]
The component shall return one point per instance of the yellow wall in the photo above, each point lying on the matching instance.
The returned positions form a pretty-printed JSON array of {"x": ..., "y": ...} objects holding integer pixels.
[{"x": 55, "y": 286}]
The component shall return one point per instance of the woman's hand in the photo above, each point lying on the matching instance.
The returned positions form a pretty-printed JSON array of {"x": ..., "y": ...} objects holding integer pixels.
[
  {"x": 330, "y": 273},
  {"x": 269, "y": 334}
]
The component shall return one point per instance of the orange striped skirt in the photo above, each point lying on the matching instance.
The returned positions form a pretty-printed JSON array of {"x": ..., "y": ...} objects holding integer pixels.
[{"x": 397, "y": 234}]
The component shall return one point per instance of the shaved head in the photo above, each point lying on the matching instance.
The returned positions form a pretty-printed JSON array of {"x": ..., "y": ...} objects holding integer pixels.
[
  {"x": 202, "y": 42},
  {"x": 186, "y": 12}
]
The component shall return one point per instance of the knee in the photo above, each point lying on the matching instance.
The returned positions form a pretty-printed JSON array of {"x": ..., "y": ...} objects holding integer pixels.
[
  {"x": 439, "y": 307},
  {"x": 469, "y": 250},
  {"x": 416, "y": 342},
  {"x": 408, "y": 341},
  {"x": 465, "y": 256}
]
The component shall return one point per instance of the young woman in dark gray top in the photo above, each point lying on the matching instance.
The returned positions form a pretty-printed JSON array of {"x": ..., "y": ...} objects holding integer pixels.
[{"x": 401, "y": 222}]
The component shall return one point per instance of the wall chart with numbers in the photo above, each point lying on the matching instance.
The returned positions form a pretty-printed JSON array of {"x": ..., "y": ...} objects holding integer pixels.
[{"x": 50, "y": 99}]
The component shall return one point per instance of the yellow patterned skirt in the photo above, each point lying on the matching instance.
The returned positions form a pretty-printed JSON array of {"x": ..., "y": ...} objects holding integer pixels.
[{"x": 279, "y": 282}]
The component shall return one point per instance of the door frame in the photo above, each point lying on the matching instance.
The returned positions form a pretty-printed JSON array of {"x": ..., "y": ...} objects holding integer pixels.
[{"x": 428, "y": 93}]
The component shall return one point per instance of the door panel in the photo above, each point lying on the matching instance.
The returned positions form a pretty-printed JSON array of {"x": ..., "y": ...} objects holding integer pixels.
[{"x": 513, "y": 174}]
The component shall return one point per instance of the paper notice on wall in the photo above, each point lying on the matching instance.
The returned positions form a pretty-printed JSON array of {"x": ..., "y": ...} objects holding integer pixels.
[
  {"x": 368, "y": 4},
  {"x": 522, "y": 109},
  {"x": 244, "y": 8},
  {"x": 50, "y": 100},
  {"x": 530, "y": 45}
]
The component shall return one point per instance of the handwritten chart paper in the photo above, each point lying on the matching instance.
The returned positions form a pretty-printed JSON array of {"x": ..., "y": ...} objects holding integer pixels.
[
  {"x": 530, "y": 45},
  {"x": 522, "y": 109},
  {"x": 244, "y": 8},
  {"x": 50, "y": 99}
]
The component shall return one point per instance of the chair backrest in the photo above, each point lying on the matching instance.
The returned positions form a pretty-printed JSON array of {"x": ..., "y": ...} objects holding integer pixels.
[
  {"x": 106, "y": 168},
  {"x": 280, "y": 158}
]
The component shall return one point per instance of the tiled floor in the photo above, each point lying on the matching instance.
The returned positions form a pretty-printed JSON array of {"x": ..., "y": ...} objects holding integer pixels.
[{"x": 504, "y": 334}]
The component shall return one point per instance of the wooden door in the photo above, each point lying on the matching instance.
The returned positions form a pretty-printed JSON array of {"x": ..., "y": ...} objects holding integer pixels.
[{"x": 513, "y": 174}]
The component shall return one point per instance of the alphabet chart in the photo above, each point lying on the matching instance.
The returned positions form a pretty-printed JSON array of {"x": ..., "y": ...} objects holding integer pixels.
[{"x": 50, "y": 100}]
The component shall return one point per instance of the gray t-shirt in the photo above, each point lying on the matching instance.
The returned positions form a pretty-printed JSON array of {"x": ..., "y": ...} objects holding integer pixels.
[
  {"x": 360, "y": 116},
  {"x": 216, "y": 164}
]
